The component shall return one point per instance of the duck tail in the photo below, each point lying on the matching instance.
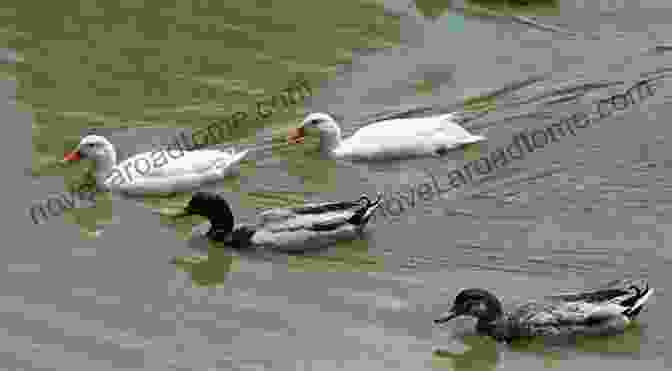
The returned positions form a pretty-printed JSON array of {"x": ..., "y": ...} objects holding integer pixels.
[
  {"x": 635, "y": 304},
  {"x": 234, "y": 159},
  {"x": 237, "y": 157},
  {"x": 363, "y": 215},
  {"x": 473, "y": 138}
]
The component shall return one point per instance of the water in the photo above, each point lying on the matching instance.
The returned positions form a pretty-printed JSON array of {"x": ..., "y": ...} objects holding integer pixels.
[{"x": 117, "y": 287}]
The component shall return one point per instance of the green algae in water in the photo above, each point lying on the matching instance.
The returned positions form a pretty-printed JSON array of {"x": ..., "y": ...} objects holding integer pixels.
[
  {"x": 481, "y": 355},
  {"x": 346, "y": 256},
  {"x": 432, "y": 9},
  {"x": 629, "y": 342},
  {"x": 424, "y": 87},
  {"x": 304, "y": 160},
  {"x": 93, "y": 63},
  {"x": 120, "y": 63},
  {"x": 90, "y": 219},
  {"x": 479, "y": 104},
  {"x": 211, "y": 270},
  {"x": 78, "y": 179},
  {"x": 472, "y": 152},
  {"x": 513, "y": 7}
]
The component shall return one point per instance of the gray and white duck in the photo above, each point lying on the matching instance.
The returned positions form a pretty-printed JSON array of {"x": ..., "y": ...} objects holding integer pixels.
[
  {"x": 605, "y": 311},
  {"x": 284, "y": 229}
]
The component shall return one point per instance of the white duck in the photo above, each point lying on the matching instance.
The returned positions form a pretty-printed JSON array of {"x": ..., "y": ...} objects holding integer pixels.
[
  {"x": 166, "y": 171},
  {"x": 396, "y": 138}
]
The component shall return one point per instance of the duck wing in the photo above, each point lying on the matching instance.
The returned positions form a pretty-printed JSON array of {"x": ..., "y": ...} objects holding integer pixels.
[
  {"x": 601, "y": 311},
  {"x": 596, "y": 296},
  {"x": 620, "y": 297},
  {"x": 560, "y": 319},
  {"x": 314, "y": 221},
  {"x": 304, "y": 231},
  {"x": 628, "y": 296},
  {"x": 191, "y": 162},
  {"x": 399, "y": 138},
  {"x": 281, "y": 214},
  {"x": 175, "y": 175},
  {"x": 322, "y": 212},
  {"x": 412, "y": 128},
  {"x": 315, "y": 226}
]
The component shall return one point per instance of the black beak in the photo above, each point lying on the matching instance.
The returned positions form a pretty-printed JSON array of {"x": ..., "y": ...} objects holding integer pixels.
[{"x": 445, "y": 317}]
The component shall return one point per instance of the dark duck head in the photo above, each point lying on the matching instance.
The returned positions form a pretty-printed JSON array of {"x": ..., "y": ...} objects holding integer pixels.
[
  {"x": 476, "y": 303},
  {"x": 215, "y": 208}
]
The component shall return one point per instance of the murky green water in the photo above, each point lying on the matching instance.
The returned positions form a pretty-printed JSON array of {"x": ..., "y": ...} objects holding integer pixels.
[{"x": 95, "y": 64}]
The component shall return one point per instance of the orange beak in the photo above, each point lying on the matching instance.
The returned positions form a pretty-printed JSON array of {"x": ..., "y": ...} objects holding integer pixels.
[
  {"x": 297, "y": 135},
  {"x": 72, "y": 156}
]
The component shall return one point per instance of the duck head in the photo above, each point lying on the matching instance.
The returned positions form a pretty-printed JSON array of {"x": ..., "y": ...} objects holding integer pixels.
[
  {"x": 93, "y": 147},
  {"x": 477, "y": 303},
  {"x": 330, "y": 133},
  {"x": 213, "y": 207}
]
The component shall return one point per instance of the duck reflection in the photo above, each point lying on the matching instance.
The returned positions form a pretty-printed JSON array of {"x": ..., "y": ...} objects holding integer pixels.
[
  {"x": 482, "y": 353},
  {"x": 626, "y": 344},
  {"x": 209, "y": 270}
]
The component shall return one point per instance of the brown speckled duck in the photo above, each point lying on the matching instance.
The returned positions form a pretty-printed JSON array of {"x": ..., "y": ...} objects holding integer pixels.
[{"x": 605, "y": 311}]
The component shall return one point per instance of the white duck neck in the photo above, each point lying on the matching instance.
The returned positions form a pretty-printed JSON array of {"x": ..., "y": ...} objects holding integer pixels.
[
  {"x": 105, "y": 164},
  {"x": 330, "y": 137}
]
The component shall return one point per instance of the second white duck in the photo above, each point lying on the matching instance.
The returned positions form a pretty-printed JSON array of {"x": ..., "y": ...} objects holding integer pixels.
[
  {"x": 160, "y": 172},
  {"x": 396, "y": 138}
]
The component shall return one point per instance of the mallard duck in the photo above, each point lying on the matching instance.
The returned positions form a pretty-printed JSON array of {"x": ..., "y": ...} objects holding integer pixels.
[
  {"x": 603, "y": 311},
  {"x": 159, "y": 172},
  {"x": 288, "y": 229},
  {"x": 395, "y": 138}
]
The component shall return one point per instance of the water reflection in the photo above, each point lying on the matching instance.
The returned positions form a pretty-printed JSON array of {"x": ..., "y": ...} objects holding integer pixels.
[
  {"x": 91, "y": 217},
  {"x": 481, "y": 355},
  {"x": 625, "y": 344},
  {"x": 210, "y": 270},
  {"x": 305, "y": 161},
  {"x": 344, "y": 256}
]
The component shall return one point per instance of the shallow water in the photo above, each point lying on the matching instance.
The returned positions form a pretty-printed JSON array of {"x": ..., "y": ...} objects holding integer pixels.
[{"x": 117, "y": 287}]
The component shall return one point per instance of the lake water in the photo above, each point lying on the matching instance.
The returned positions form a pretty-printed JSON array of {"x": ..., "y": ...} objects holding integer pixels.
[{"x": 115, "y": 286}]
